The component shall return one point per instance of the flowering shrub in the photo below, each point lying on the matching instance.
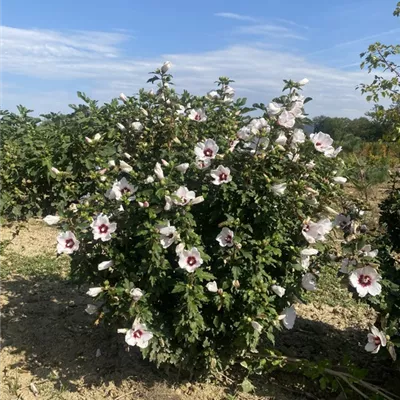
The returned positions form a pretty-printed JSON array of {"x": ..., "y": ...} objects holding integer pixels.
[{"x": 205, "y": 224}]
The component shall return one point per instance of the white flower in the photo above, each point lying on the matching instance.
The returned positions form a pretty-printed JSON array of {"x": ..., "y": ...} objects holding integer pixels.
[
  {"x": 149, "y": 179},
  {"x": 273, "y": 108},
  {"x": 166, "y": 66},
  {"x": 340, "y": 179},
  {"x": 298, "y": 137},
  {"x": 123, "y": 97},
  {"x": 197, "y": 200},
  {"x": 51, "y": 219},
  {"x": 125, "y": 167},
  {"x": 203, "y": 163},
  {"x": 183, "y": 196},
  {"x": 102, "y": 228},
  {"x": 198, "y": 115},
  {"x": 293, "y": 157},
  {"x": 67, "y": 243},
  {"x": 138, "y": 335},
  {"x": 233, "y": 145},
  {"x": 168, "y": 203},
  {"x": 136, "y": 294},
  {"x": 168, "y": 235},
  {"x": 286, "y": 119},
  {"x": 121, "y": 188},
  {"x": 105, "y": 265},
  {"x": 256, "y": 326},
  {"x": 94, "y": 291},
  {"x": 244, "y": 133},
  {"x": 213, "y": 94},
  {"x": 322, "y": 141},
  {"x": 297, "y": 109},
  {"x": 316, "y": 231},
  {"x": 221, "y": 175},
  {"x": 303, "y": 82},
  {"x": 366, "y": 281},
  {"x": 376, "y": 339},
  {"x": 309, "y": 281},
  {"x": 158, "y": 171},
  {"x": 179, "y": 249},
  {"x": 228, "y": 91},
  {"x": 310, "y": 165},
  {"x": 55, "y": 170},
  {"x": 278, "y": 189},
  {"x": 144, "y": 204},
  {"x": 207, "y": 149},
  {"x": 182, "y": 167},
  {"x": 278, "y": 290},
  {"x": 288, "y": 317},
  {"x": 212, "y": 287},
  {"x": 282, "y": 139},
  {"x": 366, "y": 251},
  {"x": 111, "y": 163},
  {"x": 190, "y": 260},
  {"x": 225, "y": 237},
  {"x": 137, "y": 126},
  {"x": 332, "y": 153},
  {"x": 91, "y": 309},
  {"x": 121, "y": 127}
]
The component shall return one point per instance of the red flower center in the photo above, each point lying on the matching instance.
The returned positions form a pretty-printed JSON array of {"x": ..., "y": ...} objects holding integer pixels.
[
  {"x": 197, "y": 117},
  {"x": 69, "y": 243},
  {"x": 184, "y": 200},
  {"x": 377, "y": 340},
  {"x": 208, "y": 152},
  {"x": 191, "y": 260},
  {"x": 125, "y": 190},
  {"x": 306, "y": 228},
  {"x": 318, "y": 144},
  {"x": 103, "y": 228},
  {"x": 223, "y": 176},
  {"x": 365, "y": 280},
  {"x": 228, "y": 239},
  {"x": 137, "y": 334}
]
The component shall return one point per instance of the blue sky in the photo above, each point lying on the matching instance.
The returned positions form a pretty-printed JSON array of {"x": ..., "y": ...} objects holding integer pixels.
[{"x": 106, "y": 47}]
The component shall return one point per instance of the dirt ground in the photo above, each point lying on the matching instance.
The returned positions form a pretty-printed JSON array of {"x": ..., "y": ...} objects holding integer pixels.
[{"x": 51, "y": 345}]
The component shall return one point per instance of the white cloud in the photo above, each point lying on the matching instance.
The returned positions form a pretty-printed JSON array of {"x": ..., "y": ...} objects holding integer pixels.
[
  {"x": 238, "y": 17},
  {"x": 98, "y": 59}
]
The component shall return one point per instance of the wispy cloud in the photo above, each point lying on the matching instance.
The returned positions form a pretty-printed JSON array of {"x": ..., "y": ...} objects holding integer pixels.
[
  {"x": 292, "y": 23},
  {"x": 98, "y": 61},
  {"x": 355, "y": 41},
  {"x": 275, "y": 31},
  {"x": 238, "y": 17}
]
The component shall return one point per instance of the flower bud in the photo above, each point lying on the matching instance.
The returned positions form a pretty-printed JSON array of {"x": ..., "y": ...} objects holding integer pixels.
[
  {"x": 55, "y": 170},
  {"x": 236, "y": 284},
  {"x": 165, "y": 163},
  {"x": 144, "y": 112},
  {"x": 127, "y": 155},
  {"x": 123, "y": 97},
  {"x": 111, "y": 163},
  {"x": 88, "y": 140},
  {"x": 165, "y": 67},
  {"x": 121, "y": 127},
  {"x": 197, "y": 200},
  {"x": 220, "y": 291},
  {"x": 303, "y": 82},
  {"x": 176, "y": 140}
]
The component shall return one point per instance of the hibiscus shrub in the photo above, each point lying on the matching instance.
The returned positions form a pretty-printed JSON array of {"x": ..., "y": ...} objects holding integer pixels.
[{"x": 206, "y": 222}]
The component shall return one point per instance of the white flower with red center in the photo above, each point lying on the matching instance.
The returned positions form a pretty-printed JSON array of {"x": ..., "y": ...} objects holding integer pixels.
[
  {"x": 288, "y": 317},
  {"x": 121, "y": 188},
  {"x": 309, "y": 281},
  {"x": 168, "y": 236},
  {"x": 136, "y": 294},
  {"x": 366, "y": 251},
  {"x": 286, "y": 119},
  {"x": 273, "y": 108},
  {"x": 138, "y": 335},
  {"x": 366, "y": 281},
  {"x": 225, "y": 237},
  {"x": 183, "y": 196},
  {"x": 322, "y": 141},
  {"x": 221, "y": 175},
  {"x": 376, "y": 339},
  {"x": 278, "y": 189},
  {"x": 198, "y": 115},
  {"x": 67, "y": 243},
  {"x": 190, "y": 260},
  {"x": 207, "y": 149},
  {"x": 103, "y": 228},
  {"x": 203, "y": 163},
  {"x": 316, "y": 231}
]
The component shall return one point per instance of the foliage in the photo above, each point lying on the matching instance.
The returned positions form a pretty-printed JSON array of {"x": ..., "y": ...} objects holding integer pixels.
[{"x": 206, "y": 318}]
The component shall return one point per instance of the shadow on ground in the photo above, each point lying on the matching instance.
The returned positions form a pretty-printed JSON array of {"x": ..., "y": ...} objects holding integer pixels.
[{"x": 44, "y": 322}]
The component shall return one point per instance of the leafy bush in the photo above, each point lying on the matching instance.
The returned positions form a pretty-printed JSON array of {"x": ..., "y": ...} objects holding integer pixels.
[{"x": 197, "y": 231}]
